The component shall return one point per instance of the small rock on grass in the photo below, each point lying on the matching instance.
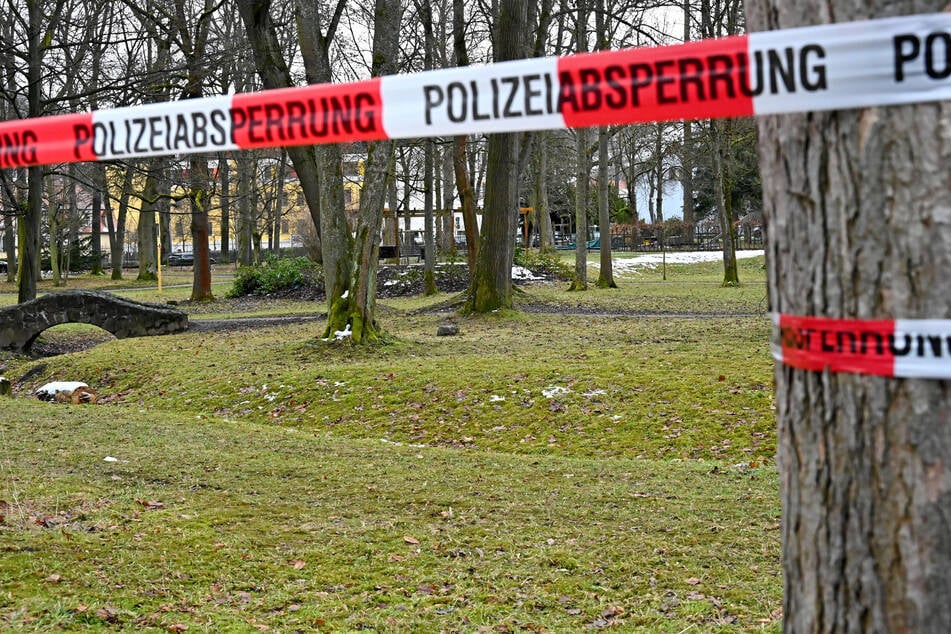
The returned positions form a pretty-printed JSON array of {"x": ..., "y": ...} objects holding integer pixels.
[{"x": 447, "y": 330}]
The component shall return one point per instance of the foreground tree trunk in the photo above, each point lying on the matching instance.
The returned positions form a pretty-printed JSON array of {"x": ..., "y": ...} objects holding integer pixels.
[
  {"x": 354, "y": 311},
  {"x": 491, "y": 284},
  {"x": 856, "y": 205}
]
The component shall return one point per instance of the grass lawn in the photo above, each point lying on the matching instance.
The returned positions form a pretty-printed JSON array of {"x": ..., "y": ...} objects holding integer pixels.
[{"x": 537, "y": 472}]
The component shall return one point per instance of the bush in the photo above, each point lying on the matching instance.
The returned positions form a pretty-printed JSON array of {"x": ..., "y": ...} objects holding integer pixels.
[
  {"x": 543, "y": 262},
  {"x": 275, "y": 275}
]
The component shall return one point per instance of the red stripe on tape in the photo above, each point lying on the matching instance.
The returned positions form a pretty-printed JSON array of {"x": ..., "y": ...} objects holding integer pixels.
[
  {"x": 324, "y": 113},
  {"x": 840, "y": 345},
  {"x": 685, "y": 81},
  {"x": 56, "y": 139}
]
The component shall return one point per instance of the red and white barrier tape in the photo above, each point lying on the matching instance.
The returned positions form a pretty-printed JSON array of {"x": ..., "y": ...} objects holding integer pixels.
[
  {"x": 909, "y": 348},
  {"x": 849, "y": 65}
]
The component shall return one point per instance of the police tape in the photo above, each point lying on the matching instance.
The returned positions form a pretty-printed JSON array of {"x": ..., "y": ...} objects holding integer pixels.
[
  {"x": 909, "y": 348},
  {"x": 850, "y": 65}
]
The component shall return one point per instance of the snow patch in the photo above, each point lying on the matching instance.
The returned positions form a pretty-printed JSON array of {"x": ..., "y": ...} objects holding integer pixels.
[
  {"x": 651, "y": 260},
  {"x": 340, "y": 335},
  {"x": 554, "y": 390},
  {"x": 522, "y": 274},
  {"x": 53, "y": 388}
]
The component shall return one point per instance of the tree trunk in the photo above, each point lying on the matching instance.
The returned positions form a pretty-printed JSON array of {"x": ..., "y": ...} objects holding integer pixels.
[
  {"x": 448, "y": 244},
  {"x": 354, "y": 310},
  {"x": 686, "y": 153},
  {"x": 856, "y": 206},
  {"x": 29, "y": 226},
  {"x": 606, "y": 275},
  {"x": 582, "y": 175},
  {"x": 274, "y": 73},
  {"x": 9, "y": 246},
  {"x": 245, "y": 215},
  {"x": 469, "y": 221},
  {"x": 429, "y": 261},
  {"x": 147, "y": 264},
  {"x": 95, "y": 226},
  {"x": 200, "y": 199},
  {"x": 117, "y": 225},
  {"x": 546, "y": 235},
  {"x": 722, "y": 184},
  {"x": 491, "y": 282},
  {"x": 53, "y": 215},
  {"x": 224, "y": 170}
]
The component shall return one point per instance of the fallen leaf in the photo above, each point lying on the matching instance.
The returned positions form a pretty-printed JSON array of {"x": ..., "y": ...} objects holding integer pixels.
[
  {"x": 177, "y": 627},
  {"x": 693, "y": 581},
  {"x": 108, "y": 614},
  {"x": 151, "y": 505},
  {"x": 54, "y": 578},
  {"x": 297, "y": 563},
  {"x": 612, "y": 611},
  {"x": 410, "y": 540}
]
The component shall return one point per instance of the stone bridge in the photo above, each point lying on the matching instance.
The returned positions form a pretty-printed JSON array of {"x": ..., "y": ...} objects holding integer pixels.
[{"x": 20, "y": 325}]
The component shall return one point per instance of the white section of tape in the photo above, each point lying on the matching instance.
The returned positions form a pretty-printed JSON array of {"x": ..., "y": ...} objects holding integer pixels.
[
  {"x": 928, "y": 345},
  {"x": 186, "y": 126},
  {"x": 870, "y": 63},
  {"x": 503, "y": 97}
]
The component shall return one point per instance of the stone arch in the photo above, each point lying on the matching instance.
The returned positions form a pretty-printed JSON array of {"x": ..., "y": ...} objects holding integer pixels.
[{"x": 20, "y": 325}]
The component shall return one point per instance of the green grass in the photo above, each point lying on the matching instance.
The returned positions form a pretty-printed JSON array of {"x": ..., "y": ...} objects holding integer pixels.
[
  {"x": 591, "y": 386},
  {"x": 231, "y": 526},
  {"x": 559, "y": 473}
]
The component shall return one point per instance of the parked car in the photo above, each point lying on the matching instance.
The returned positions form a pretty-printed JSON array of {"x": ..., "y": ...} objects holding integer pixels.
[
  {"x": 186, "y": 258},
  {"x": 181, "y": 259},
  {"x": 3, "y": 266}
]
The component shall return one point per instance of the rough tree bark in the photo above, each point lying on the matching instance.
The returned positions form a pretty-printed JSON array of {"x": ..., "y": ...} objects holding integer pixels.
[
  {"x": 148, "y": 269},
  {"x": 606, "y": 271},
  {"x": 686, "y": 151},
  {"x": 546, "y": 234},
  {"x": 354, "y": 311},
  {"x": 274, "y": 73},
  {"x": 336, "y": 241},
  {"x": 723, "y": 185},
  {"x": 429, "y": 244},
  {"x": 463, "y": 184},
  {"x": 579, "y": 281},
  {"x": 606, "y": 274},
  {"x": 582, "y": 186},
  {"x": 858, "y": 210},
  {"x": 491, "y": 284}
]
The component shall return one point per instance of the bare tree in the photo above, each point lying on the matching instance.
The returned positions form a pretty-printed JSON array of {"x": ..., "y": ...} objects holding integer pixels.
[
  {"x": 354, "y": 311},
  {"x": 491, "y": 283},
  {"x": 463, "y": 184}
]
